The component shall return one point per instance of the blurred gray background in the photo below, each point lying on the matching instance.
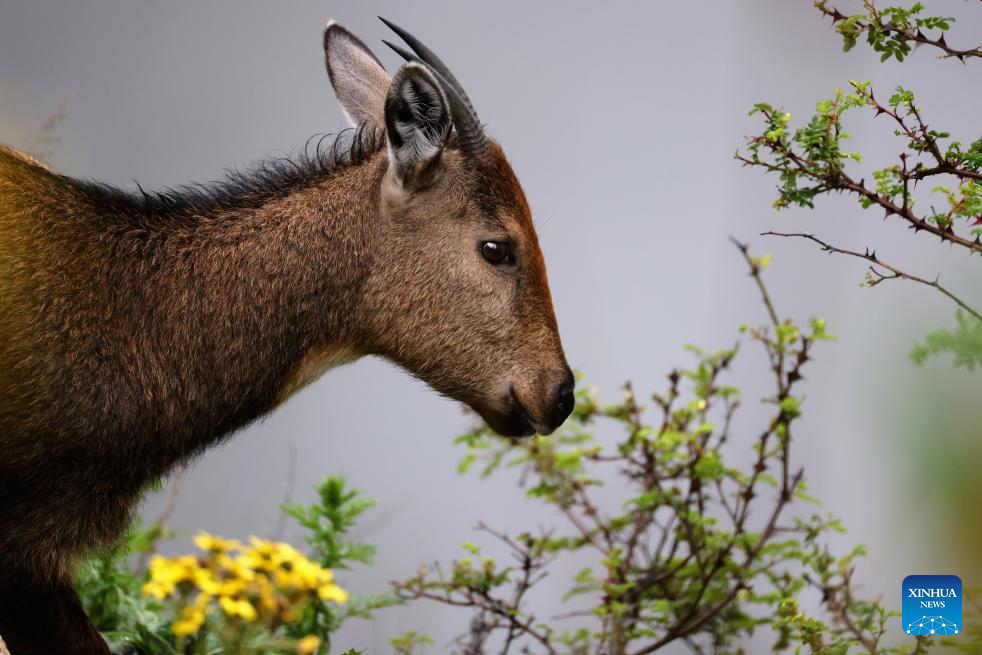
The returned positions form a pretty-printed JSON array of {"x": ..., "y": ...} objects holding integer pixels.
[{"x": 621, "y": 120}]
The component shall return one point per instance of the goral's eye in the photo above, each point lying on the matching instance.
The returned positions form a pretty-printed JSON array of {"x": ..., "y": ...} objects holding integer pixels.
[{"x": 497, "y": 252}]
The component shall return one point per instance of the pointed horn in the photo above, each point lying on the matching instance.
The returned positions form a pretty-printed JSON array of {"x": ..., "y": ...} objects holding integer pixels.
[
  {"x": 470, "y": 134},
  {"x": 429, "y": 58}
]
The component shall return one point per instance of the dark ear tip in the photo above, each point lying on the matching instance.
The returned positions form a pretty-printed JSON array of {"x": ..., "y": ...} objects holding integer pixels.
[{"x": 333, "y": 28}]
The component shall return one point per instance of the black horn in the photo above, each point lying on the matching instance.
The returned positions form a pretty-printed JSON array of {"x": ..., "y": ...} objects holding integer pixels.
[{"x": 469, "y": 131}]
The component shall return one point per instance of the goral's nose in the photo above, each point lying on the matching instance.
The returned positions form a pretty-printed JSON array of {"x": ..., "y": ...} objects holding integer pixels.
[{"x": 562, "y": 399}]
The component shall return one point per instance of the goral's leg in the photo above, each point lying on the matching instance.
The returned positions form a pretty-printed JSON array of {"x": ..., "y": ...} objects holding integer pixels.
[{"x": 45, "y": 619}]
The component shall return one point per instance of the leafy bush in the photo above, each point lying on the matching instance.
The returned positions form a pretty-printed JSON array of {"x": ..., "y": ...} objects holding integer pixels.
[
  {"x": 694, "y": 550},
  {"x": 265, "y": 597},
  {"x": 810, "y": 161}
]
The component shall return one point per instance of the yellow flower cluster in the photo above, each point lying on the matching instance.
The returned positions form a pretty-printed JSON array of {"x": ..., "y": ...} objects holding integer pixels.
[{"x": 267, "y": 583}]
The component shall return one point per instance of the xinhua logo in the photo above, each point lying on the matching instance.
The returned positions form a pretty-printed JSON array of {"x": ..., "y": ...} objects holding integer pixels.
[{"x": 932, "y": 605}]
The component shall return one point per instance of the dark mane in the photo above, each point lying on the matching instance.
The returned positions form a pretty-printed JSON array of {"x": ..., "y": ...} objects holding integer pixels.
[{"x": 320, "y": 157}]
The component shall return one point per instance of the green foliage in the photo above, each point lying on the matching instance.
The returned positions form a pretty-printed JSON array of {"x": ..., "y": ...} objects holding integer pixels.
[
  {"x": 892, "y": 31},
  {"x": 113, "y": 587},
  {"x": 327, "y": 523},
  {"x": 673, "y": 555},
  {"x": 408, "y": 643},
  {"x": 964, "y": 343},
  {"x": 811, "y": 161},
  {"x": 109, "y": 588}
]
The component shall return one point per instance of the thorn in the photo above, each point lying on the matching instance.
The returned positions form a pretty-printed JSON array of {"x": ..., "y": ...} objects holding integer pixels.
[{"x": 941, "y": 42}]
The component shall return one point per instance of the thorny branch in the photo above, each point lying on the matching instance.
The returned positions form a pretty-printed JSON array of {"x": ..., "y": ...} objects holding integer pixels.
[
  {"x": 814, "y": 154},
  {"x": 876, "y": 275},
  {"x": 684, "y": 559},
  {"x": 898, "y": 27}
]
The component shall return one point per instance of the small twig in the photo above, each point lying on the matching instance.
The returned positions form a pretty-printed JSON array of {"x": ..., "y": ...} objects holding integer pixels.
[
  {"x": 170, "y": 505},
  {"x": 175, "y": 490},
  {"x": 755, "y": 273},
  {"x": 479, "y": 634},
  {"x": 870, "y": 256},
  {"x": 291, "y": 473},
  {"x": 46, "y": 138}
]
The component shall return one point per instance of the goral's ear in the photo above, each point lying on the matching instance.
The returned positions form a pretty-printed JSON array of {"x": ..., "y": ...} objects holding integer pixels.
[
  {"x": 417, "y": 123},
  {"x": 358, "y": 78}
]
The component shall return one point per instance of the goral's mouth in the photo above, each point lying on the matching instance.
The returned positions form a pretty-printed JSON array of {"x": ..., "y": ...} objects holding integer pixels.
[
  {"x": 512, "y": 420},
  {"x": 518, "y": 410}
]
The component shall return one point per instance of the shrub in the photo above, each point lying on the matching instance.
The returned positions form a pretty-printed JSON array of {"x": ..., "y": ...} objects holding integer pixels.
[
  {"x": 811, "y": 161},
  {"x": 264, "y": 597},
  {"x": 694, "y": 550}
]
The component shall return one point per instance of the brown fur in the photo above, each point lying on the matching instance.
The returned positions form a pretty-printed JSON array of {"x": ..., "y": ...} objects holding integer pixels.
[
  {"x": 132, "y": 342},
  {"x": 138, "y": 330}
]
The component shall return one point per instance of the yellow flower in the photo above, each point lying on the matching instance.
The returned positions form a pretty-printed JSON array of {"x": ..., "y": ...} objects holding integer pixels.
[
  {"x": 206, "y": 582},
  {"x": 284, "y": 552},
  {"x": 333, "y": 593},
  {"x": 239, "y": 567},
  {"x": 308, "y": 645},
  {"x": 155, "y": 590},
  {"x": 215, "y": 545},
  {"x": 262, "y": 547},
  {"x": 233, "y": 587},
  {"x": 259, "y": 557},
  {"x": 184, "y": 628},
  {"x": 238, "y": 607},
  {"x": 188, "y": 564},
  {"x": 311, "y": 575},
  {"x": 263, "y": 581},
  {"x": 166, "y": 574},
  {"x": 191, "y": 620}
]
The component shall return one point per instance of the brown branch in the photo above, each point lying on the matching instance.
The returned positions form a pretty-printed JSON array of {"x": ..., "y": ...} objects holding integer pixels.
[
  {"x": 480, "y": 630},
  {"x": 871, "y": 256},
  {"x": 842, "y": 182},
  {"x": 46, "y": 138},
  {"x": 868, "y": 641},
  {"x": 695, "y": 623},
  {"x": 169, "y": 506},
  {"x": 915, "y": 221},
  {"x": 831, "y": 177},
  {"x": 175, "y": 491},
  {"x": 755, "y": 273},
  {"x": 913, "y": 34},
  {"x": 943, "y": 164},
  {"x": 291, "y": 474},
  {"x": 694, "y": 619}
]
